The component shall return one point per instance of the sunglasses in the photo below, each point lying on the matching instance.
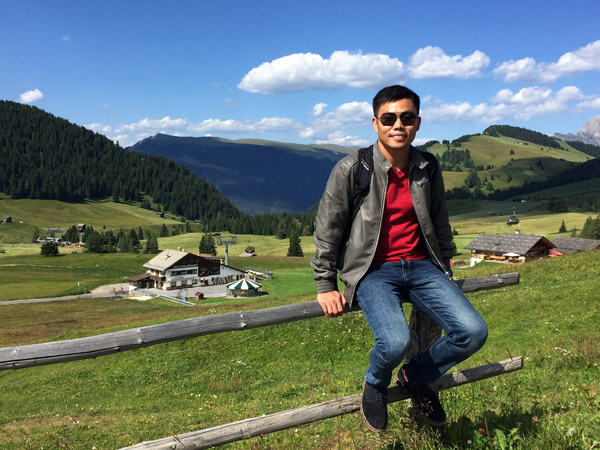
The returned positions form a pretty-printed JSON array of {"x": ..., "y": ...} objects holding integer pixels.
[{"x": 388, "y": 119}]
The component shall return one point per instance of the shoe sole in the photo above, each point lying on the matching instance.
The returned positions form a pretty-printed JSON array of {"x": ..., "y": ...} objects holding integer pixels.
[
  {"x": 362, "y": 413},
  {"x": 415, "y": 413}
]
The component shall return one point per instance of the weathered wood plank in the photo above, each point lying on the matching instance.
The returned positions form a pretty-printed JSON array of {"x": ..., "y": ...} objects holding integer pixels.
[
  {"x": 248, "y": 428},
  {"x": 105, "y": 344}
]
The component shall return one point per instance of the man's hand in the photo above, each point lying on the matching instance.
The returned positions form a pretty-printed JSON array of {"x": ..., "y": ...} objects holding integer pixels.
[{"x": 332, "y": 302}]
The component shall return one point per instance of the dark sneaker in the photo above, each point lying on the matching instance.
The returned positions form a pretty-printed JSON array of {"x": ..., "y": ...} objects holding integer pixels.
[
  {"x": 425, "y": 403},
  {"x": 374, "y": 407}
]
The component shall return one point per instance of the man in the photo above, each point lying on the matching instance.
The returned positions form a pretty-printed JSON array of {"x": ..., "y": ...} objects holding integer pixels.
[{"x": 399, "y": 247}]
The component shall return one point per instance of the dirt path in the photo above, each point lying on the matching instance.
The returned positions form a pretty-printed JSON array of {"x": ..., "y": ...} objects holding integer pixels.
[
  {"x": 100, "y": 292},
  {"x": 120, "y": 291}
]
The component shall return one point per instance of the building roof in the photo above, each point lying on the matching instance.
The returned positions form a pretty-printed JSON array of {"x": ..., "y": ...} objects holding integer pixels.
[
  {"x": 143, "y": 276},
  {"x": 520, "y": 244},
  {"x": 575, "y": 244},
  {"x": 165, "y": 259},
  {"x": 243, "y": 285}
]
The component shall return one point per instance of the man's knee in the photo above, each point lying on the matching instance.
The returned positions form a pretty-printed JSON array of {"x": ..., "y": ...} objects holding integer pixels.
[
  {"x": 477, "y": 334},
  {"x": 396, "y": 349}
]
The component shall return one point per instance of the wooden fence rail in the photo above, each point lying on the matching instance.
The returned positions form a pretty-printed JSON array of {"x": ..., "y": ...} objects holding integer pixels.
[
  {"x": 256, "y": 426},
  {"x": 105, "y": 344}
]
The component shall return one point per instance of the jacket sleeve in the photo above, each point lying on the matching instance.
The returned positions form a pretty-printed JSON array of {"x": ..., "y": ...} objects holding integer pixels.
[
  {"x": 439, "y": 215},
  {"x": 333, "y": 216}
]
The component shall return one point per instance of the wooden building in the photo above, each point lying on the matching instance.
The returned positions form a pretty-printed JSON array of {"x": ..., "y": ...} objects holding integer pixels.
[
  {"x": 573, "y": 245},
  {"x": 174, "y": 269},
  {"x": 515, "y": 248}
]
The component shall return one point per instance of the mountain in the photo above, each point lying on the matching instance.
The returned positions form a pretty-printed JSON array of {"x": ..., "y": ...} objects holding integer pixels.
[
  {"x": 588, "y": 134},
  {"x": 257, "y": 176},
  {"x": 46, "y": 157}
]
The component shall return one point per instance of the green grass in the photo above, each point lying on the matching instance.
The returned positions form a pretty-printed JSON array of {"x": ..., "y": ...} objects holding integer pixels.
[
  {"x": 24, "y": 273},
  {"x": 28, "y": 214},
  {"x": 521, "y": 166},
  {"x": 34, "y": 276},
  {"x": 550, "y": 318}
]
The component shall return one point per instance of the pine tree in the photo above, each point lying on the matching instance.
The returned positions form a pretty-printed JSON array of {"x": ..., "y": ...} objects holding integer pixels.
[
  {"x": 49, "y": 249},
  {"x": 207, "y": 245},
  {"x": 36, "y": 235},
  {"x": 71, "y": 235},
  {"x": 283, "y": 227},
  {"x": 563, "y": 227},
  {"x": 164, "y": 232},
  {"x": 96, "y": 243},
  {"x": 295, "y": 248},
  {"x": 151, "y": 245},
  {"x": 591, "y": 228}
]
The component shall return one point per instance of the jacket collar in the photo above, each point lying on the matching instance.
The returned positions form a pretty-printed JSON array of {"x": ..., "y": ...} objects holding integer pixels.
[{"x": 415, "y": 159}]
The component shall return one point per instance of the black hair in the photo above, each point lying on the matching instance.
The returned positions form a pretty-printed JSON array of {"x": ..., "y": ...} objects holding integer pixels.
[{"x": 392, "y": 94}]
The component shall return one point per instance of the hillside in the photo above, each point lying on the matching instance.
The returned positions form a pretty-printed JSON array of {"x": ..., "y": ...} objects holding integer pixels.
[
  {"x": 119, "y": 400},
  {"x": 257, "y": 176},
  {"x": 29, "y": 214},
  {"x": 45, "y": 157},
  {"x": 507, "y": 165}
]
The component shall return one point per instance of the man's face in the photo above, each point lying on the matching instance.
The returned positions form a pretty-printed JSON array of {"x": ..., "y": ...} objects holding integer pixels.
[{"x": 396, "y": 137}]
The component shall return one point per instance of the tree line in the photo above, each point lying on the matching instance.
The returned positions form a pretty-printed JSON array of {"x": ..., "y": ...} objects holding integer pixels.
[
  {"x": 523, "y": 134},
  {"x": 589, "y": 149}
]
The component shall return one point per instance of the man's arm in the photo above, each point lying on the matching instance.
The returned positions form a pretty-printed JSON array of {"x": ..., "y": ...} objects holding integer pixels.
[{"x": 332, "y": 218}]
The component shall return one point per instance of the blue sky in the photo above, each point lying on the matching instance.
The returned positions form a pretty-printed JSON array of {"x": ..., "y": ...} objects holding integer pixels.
[{"x": 301, "y": 71}]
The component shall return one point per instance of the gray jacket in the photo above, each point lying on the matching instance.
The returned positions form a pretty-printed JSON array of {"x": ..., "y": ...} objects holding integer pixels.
[{"x": 357, "y": 253}]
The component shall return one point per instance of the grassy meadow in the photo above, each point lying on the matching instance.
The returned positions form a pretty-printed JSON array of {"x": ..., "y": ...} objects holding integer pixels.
[
  {"x": 114, "y": 401},
  {"x": 28, "y": 214},
  {"x": 521, "y": 164}
]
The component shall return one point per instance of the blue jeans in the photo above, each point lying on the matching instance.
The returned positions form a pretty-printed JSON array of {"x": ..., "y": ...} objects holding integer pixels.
[{"x": 380, "y": 295}]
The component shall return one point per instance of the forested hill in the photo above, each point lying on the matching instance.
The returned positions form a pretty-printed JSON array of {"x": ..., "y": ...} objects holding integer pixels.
[
  {"x": 46, "y": 157},
  {"x": 523, "y": 134}
]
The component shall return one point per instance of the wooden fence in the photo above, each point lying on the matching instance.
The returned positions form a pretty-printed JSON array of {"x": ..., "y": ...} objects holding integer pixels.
[{"x": 423, "y": 333}]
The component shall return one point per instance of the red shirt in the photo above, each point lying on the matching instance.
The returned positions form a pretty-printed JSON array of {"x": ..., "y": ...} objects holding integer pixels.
[{"x": 400, "y": 237}]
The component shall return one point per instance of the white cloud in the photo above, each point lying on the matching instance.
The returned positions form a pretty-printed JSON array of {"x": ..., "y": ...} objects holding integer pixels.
[
  {"x": 301, "y": 71},
  {"x": 529, "y": 70},
  {"x": 525, "y": 104},
  {"x": 216, "y": 126},
  {"x": 166, "y": 124},
  {"x": 525, "y": 96},
  {"x": 319, "y": 108},
  {"x": 331, "y": 127},
  {"x": 594, "y": 103},
  {"x": 537, "y": 101},
  {"x": 432, "y": 62},
  {"x": 99, "y": 128},
  {"x": 462, "y": 111},
  {"x": 123, "y": 140},
  {"x": 340, "y": 138},
  {"x": 421, "y": 141},
  {"x": 66, "y": 38},
  {"x": 31, "y": 96}
]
